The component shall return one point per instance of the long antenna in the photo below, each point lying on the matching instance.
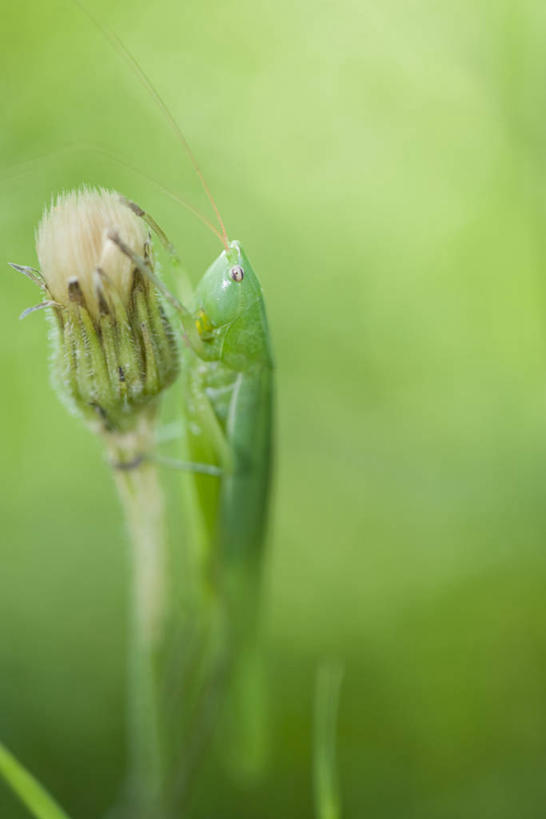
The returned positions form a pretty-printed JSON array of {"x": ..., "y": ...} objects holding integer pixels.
[
  {"x": 167, "y": 191},
  {"x": 84, "y": 146},
  {"x": 124, "y": 52}
]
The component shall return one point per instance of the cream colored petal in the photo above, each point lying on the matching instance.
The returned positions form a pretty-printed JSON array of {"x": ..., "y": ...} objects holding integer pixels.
[{"x": 72, "y": 242}]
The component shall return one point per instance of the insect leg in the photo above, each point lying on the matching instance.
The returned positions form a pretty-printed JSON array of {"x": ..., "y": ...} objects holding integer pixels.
[
  {"x": 144, "y": 267},
  {"x": 152, "y": 224},
  {"x": 166, "y": 243},
  {"x": 188, "y": 466},
  {"x": 171, "y": 463}
]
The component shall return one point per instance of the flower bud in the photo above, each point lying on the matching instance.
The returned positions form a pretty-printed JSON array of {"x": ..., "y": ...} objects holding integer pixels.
[{"x": 116, "y": 349}]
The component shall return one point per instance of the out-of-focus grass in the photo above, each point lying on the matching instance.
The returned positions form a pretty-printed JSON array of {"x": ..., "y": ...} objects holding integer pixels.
[{"x": 384, "y": 166}]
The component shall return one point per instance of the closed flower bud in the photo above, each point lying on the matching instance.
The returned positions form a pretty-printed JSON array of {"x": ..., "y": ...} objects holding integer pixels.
[
  {"x": 116, "y": 350},
  {"x": 72, "y": 245}
]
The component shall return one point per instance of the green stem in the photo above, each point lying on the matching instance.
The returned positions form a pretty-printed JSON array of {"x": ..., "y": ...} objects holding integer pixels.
[
  {"x": 142, "y": 499},
  {"x": 327, "y": 793},
  {"x": 28, "y": 789}
]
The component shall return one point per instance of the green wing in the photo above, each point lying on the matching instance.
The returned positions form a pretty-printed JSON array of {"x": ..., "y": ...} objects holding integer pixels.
[{"x": 244, "y": 490}]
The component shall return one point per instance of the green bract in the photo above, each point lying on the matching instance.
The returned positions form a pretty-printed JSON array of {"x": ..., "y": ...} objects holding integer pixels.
[
  {"x": 110, "y": 368},
  {"x": 114, "y": 349}
]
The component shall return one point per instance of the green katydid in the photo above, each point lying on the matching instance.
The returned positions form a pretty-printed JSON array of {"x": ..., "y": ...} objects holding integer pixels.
[{"x": 228, "y": 398}]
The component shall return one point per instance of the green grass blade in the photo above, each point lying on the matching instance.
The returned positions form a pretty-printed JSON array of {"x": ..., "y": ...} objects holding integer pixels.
[
  {"x": 28, "y": 789},
  {"x": 327, "y": 793}
]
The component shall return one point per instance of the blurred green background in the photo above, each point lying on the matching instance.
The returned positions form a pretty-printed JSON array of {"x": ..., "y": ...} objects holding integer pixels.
[{"x": 384, "y": 165}]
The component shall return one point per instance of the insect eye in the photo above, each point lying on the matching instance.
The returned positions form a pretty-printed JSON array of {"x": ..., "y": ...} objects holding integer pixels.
[{"x": 237, "y": 273}]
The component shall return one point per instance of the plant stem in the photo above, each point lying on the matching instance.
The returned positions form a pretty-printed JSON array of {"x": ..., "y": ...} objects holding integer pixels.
[
  {"x": 28, "y": 789},
  {"x": 142, "y": 499},
  {"x": 327, "y": 792}
]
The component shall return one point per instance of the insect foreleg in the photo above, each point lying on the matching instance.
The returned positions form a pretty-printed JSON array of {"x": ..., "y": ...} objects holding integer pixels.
[
  {"x": 152, "y": 224},
  {"x": 167, "y": 245},
  {"x": 145, "y": 268}
]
